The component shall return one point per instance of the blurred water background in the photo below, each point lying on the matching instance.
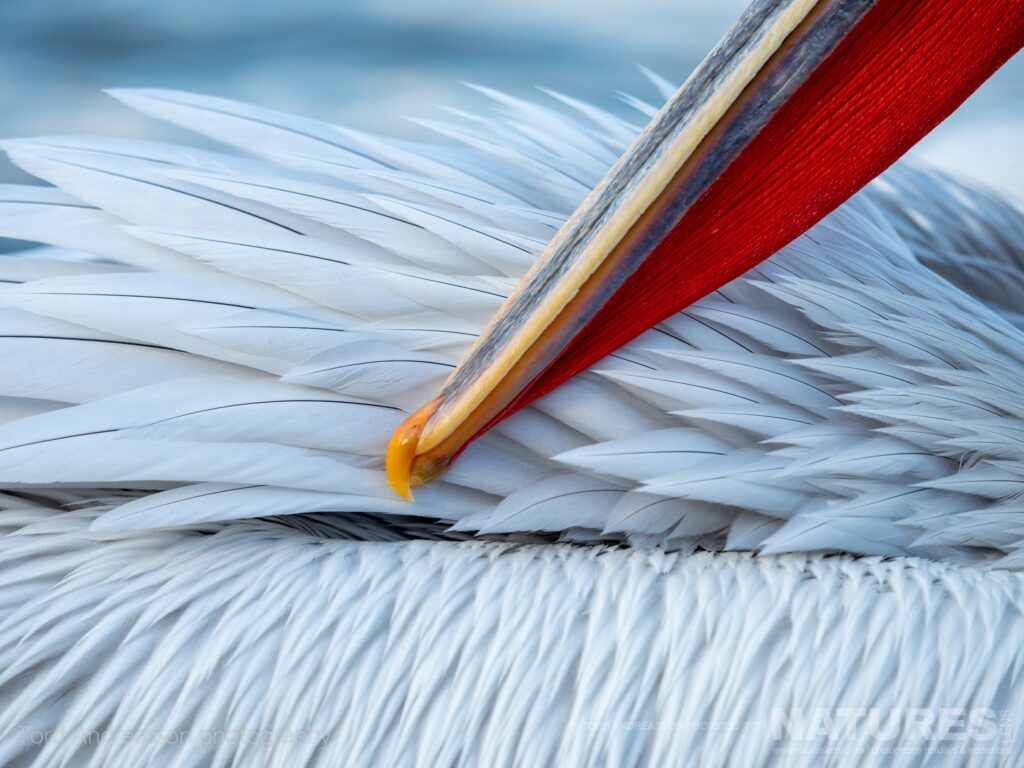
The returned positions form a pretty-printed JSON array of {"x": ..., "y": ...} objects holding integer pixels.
[{"x": 373, "y": 64}]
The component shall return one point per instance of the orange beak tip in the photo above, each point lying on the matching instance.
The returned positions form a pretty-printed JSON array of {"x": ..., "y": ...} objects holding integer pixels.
[{"x": 401, "y": 453}]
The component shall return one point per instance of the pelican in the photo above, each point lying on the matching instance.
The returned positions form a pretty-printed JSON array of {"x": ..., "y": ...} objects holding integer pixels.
[{"x": 558, "y": 441}]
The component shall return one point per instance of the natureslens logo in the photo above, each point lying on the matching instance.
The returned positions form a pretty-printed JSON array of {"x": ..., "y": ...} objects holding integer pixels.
[{"x": 897, "y": 730}]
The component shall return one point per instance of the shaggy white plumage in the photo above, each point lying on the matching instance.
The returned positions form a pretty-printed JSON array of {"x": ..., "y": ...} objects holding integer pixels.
[
  {"x": 208, "y": 338},
  {"x": 254, "y": 643}
]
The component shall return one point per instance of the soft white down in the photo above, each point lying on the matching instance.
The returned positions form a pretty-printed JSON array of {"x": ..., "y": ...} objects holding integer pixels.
[{"x": 207, "y": 337}]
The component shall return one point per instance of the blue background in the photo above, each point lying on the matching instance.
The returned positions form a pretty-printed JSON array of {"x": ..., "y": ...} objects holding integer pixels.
[{"x": 373, "y": 64}]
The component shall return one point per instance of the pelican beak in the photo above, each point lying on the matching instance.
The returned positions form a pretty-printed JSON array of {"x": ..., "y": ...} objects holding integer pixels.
[{"x": 661, "y": 191}]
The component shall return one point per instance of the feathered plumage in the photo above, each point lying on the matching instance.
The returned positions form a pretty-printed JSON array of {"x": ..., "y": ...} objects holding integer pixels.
[
  {"x": 209, "y": 337},
  {"x": 279, "y": 316},
  {"x": 277, "y": 642}
]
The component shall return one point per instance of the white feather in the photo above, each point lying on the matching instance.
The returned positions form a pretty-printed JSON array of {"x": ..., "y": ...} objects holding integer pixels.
[{"x": 359, "y": 269}]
